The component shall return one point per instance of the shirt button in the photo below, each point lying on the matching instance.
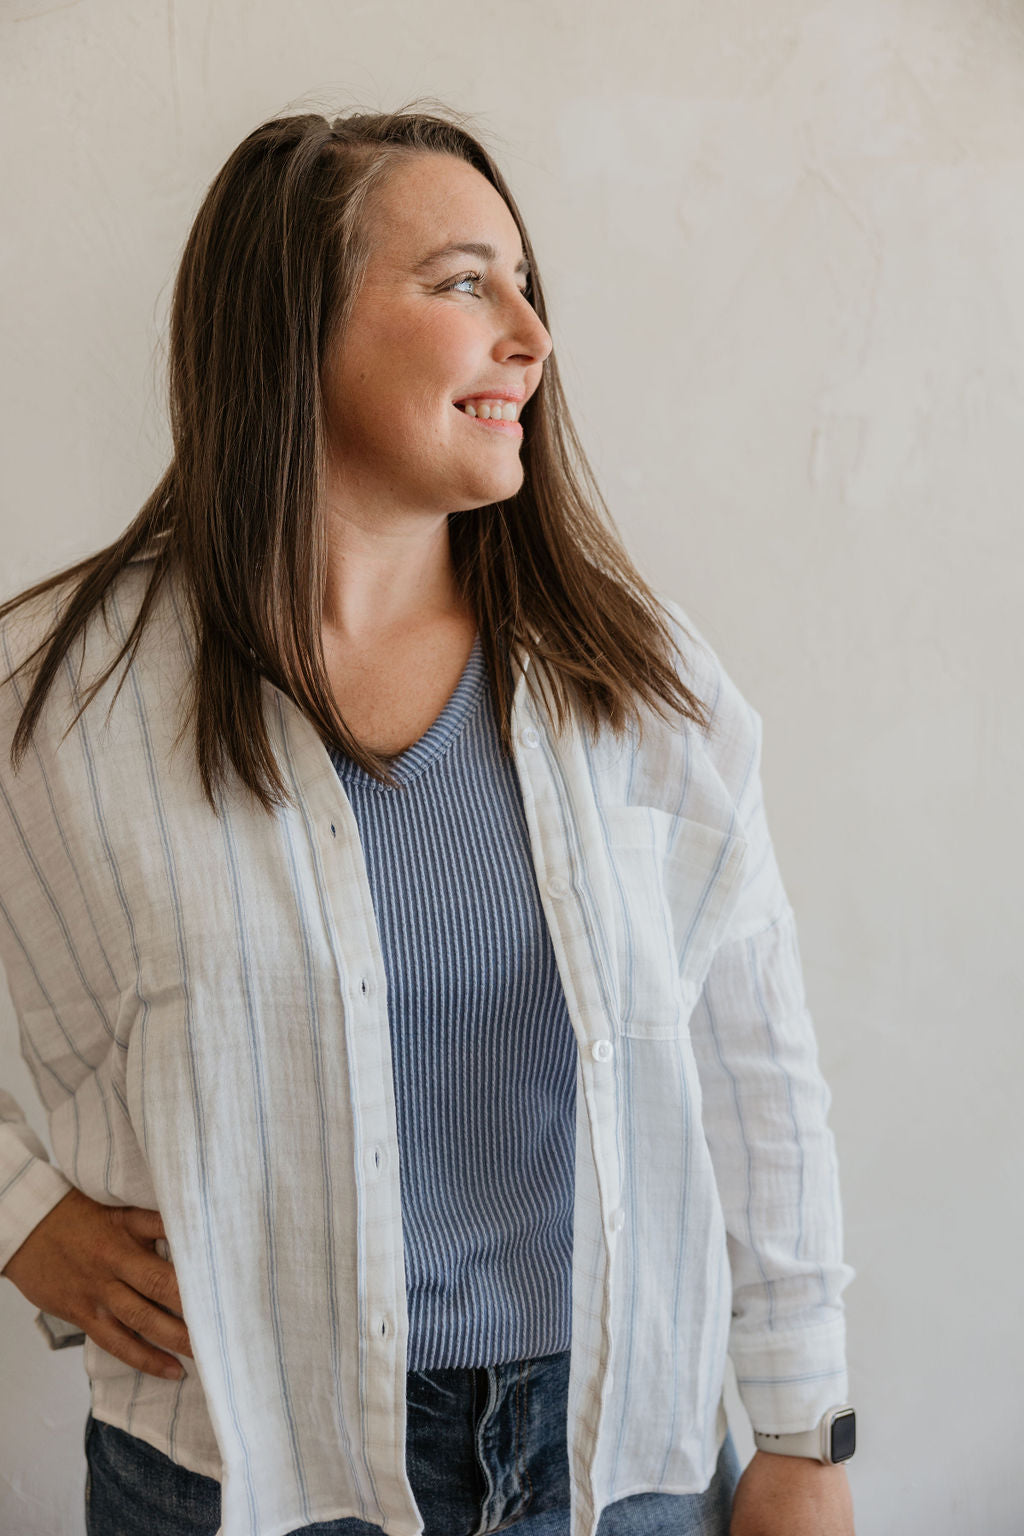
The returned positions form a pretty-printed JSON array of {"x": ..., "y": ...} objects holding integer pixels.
[
  {"x": 618, "y": 1220},
  {"x": 529, "y": 737},
  {"x": 558, "y": 887},
  {"x": 601, "y": 1050}
]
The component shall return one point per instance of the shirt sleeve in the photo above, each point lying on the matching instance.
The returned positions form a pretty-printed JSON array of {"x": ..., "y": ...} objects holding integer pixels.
[
  {"x": 30, "y": 1185},
  {"x": 765, "y": 1109}
]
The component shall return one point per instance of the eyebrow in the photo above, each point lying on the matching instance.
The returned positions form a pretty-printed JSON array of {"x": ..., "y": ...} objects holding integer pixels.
[{"x": 469, "y": 248}]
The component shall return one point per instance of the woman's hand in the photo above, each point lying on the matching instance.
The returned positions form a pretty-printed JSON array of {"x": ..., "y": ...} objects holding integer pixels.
[
  {"x": 96, "y": 1266},
  {"x": 791, "y": 1496}
]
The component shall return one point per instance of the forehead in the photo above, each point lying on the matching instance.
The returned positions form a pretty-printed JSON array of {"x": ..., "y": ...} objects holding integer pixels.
[{"x": 436, "y": 200}]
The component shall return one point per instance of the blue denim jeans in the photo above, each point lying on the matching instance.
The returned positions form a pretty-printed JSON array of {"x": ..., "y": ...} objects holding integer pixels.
[{"x": 485, "y": 1449}]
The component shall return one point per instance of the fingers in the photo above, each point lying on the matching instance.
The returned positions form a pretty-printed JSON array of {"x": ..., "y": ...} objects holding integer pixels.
[
  {"x": 141, "y": 1222},
  {"x": 166, "y": 1292},
  {"x": 156, "y": 1279},
  {"x": 142, "y": 1317},
  {"x": 95, "y": 1266},
  {"x": 119, "y": 1341},
  {"x": 143, "y": 1279}
]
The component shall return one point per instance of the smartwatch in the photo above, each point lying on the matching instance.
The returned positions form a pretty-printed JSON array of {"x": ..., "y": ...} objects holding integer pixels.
[{"x": 833, "y": 1439}]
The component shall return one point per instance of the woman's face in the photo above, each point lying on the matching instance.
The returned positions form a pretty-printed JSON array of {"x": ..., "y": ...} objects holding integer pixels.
[{"x": 427, "y": 330}]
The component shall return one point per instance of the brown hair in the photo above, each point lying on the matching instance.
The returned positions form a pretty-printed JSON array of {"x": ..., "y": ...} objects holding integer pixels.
[{"x": 267, "y": 280}]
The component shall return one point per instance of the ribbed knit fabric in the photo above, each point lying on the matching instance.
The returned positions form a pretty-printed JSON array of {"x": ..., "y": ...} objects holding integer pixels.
[{"x": 482, "y": 1046}]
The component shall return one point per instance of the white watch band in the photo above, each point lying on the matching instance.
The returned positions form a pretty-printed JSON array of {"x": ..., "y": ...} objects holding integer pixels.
[{"x": 815, "y": 1443}]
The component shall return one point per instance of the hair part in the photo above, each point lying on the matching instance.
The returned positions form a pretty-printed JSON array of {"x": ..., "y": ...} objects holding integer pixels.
[{"x": 269, "y": 274}]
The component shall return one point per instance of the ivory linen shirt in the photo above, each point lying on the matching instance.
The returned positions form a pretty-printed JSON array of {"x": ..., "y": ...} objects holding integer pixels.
[{"x": 202, "y": 1003}]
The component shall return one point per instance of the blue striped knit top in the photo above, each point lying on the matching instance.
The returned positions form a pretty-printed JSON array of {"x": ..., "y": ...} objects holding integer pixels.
[{"x": 482, "y": 1045}]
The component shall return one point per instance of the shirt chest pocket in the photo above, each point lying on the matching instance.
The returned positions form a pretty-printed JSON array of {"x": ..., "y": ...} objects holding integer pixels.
[{"x": 675, "y": 882}]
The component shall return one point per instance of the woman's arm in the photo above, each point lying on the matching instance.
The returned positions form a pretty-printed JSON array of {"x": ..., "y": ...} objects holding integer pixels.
[{"x": 765, "y": 1109}]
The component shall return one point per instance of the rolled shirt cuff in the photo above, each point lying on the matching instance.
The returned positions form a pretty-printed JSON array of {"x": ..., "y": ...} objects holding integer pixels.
[{"x": 787, "y": 1381}]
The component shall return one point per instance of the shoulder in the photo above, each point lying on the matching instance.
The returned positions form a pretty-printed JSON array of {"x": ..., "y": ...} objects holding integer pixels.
[
  {"x": 734, "y": 736},
  {"x": 25, "y": 633}
]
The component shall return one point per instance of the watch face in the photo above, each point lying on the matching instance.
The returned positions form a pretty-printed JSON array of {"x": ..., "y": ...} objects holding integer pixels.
[{"x": 844, "y": 1435}]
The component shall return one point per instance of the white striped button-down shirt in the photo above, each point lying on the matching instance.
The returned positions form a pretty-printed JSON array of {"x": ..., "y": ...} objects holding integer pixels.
[{"x": 202, "y": 1004}]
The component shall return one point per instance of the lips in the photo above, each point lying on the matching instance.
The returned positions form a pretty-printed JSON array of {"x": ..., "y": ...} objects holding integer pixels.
[{"x": 517, "y": 396}]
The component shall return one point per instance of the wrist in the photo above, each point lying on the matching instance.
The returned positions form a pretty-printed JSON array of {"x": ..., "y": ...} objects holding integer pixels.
[{"x": 798, "y": 1466}]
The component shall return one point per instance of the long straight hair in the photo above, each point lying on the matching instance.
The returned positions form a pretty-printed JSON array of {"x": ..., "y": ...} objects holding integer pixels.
[{"x": 267, "y": 280}]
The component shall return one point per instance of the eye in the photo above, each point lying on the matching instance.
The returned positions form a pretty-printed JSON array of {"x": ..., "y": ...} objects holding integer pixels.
[
  {"x": 477, "y": 277},
  {"x": 467, "y": 277}
]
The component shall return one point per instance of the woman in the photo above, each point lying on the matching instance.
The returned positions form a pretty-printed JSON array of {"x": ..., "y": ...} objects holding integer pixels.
[{"x": 437, "y": 1004}]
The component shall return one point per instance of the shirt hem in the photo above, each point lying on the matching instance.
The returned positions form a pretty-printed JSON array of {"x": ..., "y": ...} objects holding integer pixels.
[{"x": 203, "y": 1465}]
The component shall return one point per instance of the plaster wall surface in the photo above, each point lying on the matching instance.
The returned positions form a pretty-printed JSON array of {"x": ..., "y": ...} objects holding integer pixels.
[{"x": 782, "y": 243}]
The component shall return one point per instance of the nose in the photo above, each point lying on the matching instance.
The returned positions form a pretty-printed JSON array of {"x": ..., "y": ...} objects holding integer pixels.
[
  {"x": 542, "y": 343},
  {"x": 527, "y": 337}
]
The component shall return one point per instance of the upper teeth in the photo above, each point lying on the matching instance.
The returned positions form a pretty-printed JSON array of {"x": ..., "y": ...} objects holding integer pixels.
[{"x": 492, "y": 410}]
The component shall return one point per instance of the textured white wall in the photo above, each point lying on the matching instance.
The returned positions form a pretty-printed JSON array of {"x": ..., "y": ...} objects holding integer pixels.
[{"x": 782, "y": 242}]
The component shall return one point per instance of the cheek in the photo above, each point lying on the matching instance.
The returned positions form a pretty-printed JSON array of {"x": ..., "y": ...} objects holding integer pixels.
[
  {"x": 400, "y": 376},
  {"x": 446, "y": 346}
]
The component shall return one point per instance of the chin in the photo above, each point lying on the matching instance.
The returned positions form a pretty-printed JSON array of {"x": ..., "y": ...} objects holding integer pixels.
[
  {"x": 484, "y": 493},
  {"x": 508, "y": 484}
]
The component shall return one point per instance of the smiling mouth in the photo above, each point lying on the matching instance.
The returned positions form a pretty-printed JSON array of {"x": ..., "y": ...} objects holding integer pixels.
[{"x": 509, "y": 428}]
